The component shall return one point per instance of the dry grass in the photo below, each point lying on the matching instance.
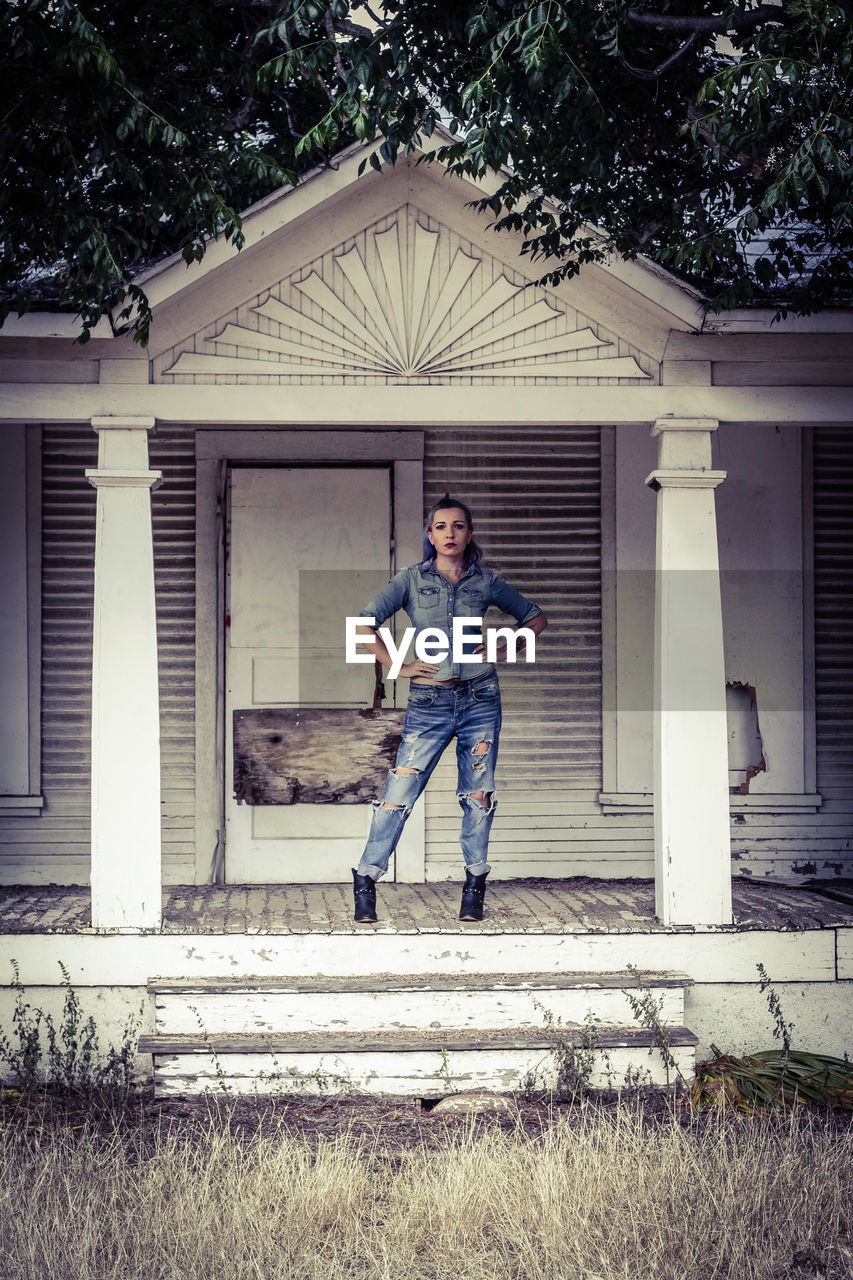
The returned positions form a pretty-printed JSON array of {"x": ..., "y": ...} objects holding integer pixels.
[{"x": 600, "y": 1196}]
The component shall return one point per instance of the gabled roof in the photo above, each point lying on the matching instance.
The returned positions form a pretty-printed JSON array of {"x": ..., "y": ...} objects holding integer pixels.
[
  {"x": 285, "y": 206},
  {"x": 641, "y": 289}
]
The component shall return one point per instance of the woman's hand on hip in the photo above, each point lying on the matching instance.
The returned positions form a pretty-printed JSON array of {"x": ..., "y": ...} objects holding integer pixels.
[
  {"x": 500, "y": 653},
  {"x": 418, "y": 668}
]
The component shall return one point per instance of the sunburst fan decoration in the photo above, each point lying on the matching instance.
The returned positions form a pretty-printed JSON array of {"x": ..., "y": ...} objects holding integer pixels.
[{"x": 410, "y": 328}]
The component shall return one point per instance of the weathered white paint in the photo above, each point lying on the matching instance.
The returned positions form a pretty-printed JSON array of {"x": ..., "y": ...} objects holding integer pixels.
[
  {"x": 119, "y": 1013},
  {"x": 414, "y": 1074},
  {"x": 736, "y": 1018},
  {"x": 844, "y": 954},
  {"x": 394, "y": 406},
  {"x": 692, "y": 847},
  {"x": 760, "y": 521},
  {"x": 732, "y": 1015},
  {"x": 248, "y": 1010},
  {"x": 760, "y": 537},
  {"x": 126, "y": 874},
  {"x": 214, "y": 449},
  {"x": 724, "y": 1006},
  {"x": 308, "y": 546},
  {"x": 723, "y": 955}
]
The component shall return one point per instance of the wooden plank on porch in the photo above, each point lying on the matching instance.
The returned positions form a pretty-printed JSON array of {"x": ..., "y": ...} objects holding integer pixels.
[
  {"x": 294, "y": 755},
  {"x": 407, "y": 1041}
]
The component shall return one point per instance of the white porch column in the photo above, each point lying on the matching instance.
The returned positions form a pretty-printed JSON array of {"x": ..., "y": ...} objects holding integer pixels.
[
  {"x": 126, "y": 878},
  {"x": 692, "y": 841}
]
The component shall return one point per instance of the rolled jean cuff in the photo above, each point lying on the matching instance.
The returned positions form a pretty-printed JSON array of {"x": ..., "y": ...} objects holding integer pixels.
[
  {"x": 371, "y": 869},
  {"x": 478, "y": 868}
]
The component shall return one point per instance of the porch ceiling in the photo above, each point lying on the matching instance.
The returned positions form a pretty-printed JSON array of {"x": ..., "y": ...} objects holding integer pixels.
[{"x": 581, "y": 905}]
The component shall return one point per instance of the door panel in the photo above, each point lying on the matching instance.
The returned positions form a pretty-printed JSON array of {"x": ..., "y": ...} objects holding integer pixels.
[{"x": 307, "y": 547}]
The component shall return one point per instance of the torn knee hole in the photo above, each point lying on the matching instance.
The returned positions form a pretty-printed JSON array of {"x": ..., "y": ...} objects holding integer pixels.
[
  {"x": 393, "y": 806},
  {"x": 405, "y": 772},
  {"x": 481, "y": 748},
  {"x": 484, "y": 797}
]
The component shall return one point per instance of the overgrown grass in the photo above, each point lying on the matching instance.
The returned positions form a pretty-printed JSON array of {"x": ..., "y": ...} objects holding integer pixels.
[{"x": 600, "y": 1194}]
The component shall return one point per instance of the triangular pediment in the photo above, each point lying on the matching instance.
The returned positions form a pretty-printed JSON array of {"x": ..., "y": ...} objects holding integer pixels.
[{"x": 406, "y": 300}]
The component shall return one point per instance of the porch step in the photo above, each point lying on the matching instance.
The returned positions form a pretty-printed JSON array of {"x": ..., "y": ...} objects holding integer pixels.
[
  {"x": 428, "y": 1063},
  {"x": 420, "y": 1034},
  {"x": 382, "y": 1002}
]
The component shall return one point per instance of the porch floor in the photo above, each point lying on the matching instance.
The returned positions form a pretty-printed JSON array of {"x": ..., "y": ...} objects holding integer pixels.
[{"x": 577, "y": 905}]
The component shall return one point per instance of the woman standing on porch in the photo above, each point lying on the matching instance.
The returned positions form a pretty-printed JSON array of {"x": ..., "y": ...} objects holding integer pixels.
[{"x": 446, "y": 699}]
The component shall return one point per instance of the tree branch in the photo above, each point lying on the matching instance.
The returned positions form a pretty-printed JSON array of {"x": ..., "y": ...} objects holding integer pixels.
[
  {"x": 347, "y": 28},
  {"x": 712, "y": 23},
  {"x": 383, "y": 22},
  {"x": 753, "y": 165},
  {"x": 306, "y": 74},
  {"x": 664, "y": 66},
  {"x": 330, "y": 32}
]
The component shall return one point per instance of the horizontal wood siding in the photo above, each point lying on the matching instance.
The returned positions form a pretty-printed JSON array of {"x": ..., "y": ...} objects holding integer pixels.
[
  {"x": 800, "y": 846},
  {"x": 535, "y": 497},
  {"x": 173, "y": 512},
  {"x": 833, "y": 596},
  {"x": 55, "y": 846}
]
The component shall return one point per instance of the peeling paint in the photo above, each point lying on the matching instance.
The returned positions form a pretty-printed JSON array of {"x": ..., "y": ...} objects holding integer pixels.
[{"x": 749, "y": 740}]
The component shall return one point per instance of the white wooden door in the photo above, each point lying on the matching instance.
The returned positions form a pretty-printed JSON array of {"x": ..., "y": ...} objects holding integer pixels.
[{"x": 307, "y": 547}]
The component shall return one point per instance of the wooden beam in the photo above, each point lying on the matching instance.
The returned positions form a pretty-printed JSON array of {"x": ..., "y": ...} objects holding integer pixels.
[{"x": 420, "y": 406}]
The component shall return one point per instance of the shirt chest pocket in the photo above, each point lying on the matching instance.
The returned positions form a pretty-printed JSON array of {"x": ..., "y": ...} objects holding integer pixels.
[
  {"x": 429, "y": 600},
  {"x": 471, "y": 602}
]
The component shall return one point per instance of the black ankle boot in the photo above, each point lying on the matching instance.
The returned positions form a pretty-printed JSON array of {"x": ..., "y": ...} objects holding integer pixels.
[
  {"x": 472, "y": 896},
  {"x": 364, "y": 893}
]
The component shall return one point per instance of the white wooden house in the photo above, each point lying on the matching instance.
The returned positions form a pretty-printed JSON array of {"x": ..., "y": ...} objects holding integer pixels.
[{"x": 185, "y": 528}]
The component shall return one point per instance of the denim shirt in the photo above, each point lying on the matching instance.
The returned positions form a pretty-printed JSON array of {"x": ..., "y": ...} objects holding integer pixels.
[{"x": 431, "y": 601}]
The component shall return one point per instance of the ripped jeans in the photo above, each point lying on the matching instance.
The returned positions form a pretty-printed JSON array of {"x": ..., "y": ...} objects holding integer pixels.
[{"x": 470, "y": 712}]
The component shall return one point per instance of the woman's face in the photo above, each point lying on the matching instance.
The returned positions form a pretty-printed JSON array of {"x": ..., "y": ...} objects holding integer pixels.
[{"x": 449, "y": 532}]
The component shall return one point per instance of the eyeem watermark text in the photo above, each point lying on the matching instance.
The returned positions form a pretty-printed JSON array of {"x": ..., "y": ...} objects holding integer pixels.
[{"x": 432, "y": 644}]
